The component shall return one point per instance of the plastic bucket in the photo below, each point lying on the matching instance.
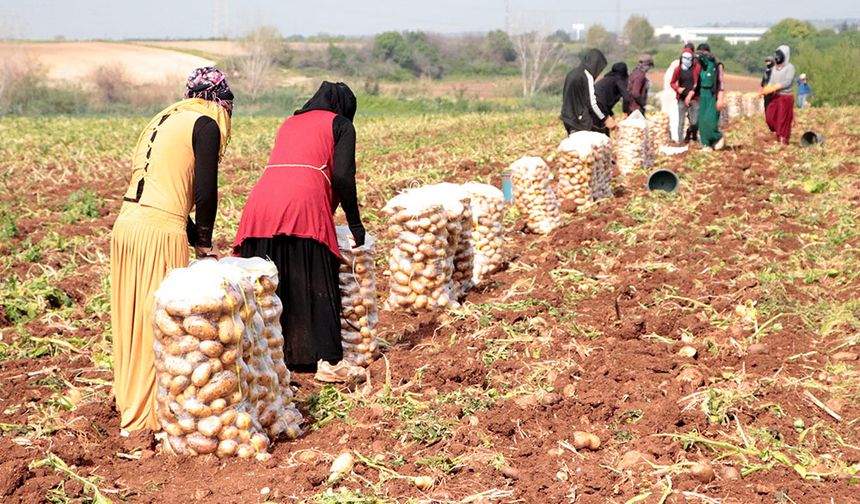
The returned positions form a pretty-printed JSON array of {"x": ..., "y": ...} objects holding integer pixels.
[
  {"x": 507, "y": 186},
  {"x": 663, "y": 180},
  {"x": 810, "y": 138}
]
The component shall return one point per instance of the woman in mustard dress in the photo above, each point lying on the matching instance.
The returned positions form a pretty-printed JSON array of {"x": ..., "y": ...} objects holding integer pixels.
[{"x": 174, "y": 169}]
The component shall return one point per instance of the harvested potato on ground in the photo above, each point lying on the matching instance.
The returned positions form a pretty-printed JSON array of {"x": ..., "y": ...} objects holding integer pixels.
[{"x": 585, "y": 440}]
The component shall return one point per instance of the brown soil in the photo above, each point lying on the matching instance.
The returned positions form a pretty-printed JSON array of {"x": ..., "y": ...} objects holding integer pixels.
[{"x": 602, "y": 380}]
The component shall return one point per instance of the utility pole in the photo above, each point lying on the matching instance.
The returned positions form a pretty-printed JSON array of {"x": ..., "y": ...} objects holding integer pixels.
[
  {"x": 618, "y": 17},
  {"x": 508, "y": 16}
]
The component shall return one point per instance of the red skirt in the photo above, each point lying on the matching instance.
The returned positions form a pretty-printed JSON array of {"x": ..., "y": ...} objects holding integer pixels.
[{"x": 780, "y": 114}]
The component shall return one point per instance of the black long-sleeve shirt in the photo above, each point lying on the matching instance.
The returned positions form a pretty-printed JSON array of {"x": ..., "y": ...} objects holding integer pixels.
[
  {"x": 609, "y": 90},
  {"x": 206, "y": 143},
  {"x": 343, "y": 175}
]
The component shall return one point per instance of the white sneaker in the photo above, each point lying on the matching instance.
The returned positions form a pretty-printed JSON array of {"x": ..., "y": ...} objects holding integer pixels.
[
  {"x": 720, "y": 143},
  {"x": 342, "y": 372}
]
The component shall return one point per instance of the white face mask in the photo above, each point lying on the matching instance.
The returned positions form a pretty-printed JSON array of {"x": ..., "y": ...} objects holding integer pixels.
[{"x": 686, "y": 61}]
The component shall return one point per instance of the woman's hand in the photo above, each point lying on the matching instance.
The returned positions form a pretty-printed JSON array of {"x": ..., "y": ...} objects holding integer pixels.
[
  {"x": 206, "y": 252},
  {"x": 358, "y": 234},
  {"x": 610, "y": 122}
]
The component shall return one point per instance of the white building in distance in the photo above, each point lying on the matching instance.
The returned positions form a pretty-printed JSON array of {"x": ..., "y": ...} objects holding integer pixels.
[{"x": 733, "y": 34}]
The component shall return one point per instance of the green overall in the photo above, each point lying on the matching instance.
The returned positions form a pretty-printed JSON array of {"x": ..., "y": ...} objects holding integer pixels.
[{"x": 709, "y": 118}]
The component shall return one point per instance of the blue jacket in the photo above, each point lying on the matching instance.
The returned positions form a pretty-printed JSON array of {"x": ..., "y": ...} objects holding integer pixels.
[{"x": 803, "y": 89}]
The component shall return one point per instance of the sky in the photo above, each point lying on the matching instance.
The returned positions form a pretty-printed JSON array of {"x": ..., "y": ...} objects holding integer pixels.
[{"x": 119, "y": 19}]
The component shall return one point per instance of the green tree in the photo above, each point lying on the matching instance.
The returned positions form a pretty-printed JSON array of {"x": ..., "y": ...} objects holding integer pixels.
[
  {"x": 560, "y": 36},
  {"x": 499, "y": 47},
  {"x": 337, "y": 58},
  {"x": 639, "y": 33},
  {"x": 599, "y": 37},
  {"x": 789, "y": 31},
  {"x": 412, "y": 51},
  {"x": 391, "y": 46}
]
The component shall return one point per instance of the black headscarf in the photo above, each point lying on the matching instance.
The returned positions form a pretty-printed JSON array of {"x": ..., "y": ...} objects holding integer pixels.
[
  {"x": 332, "y": 96},
  {"x": 618, "y": 70},
  {"x": 576, "y": 110}
]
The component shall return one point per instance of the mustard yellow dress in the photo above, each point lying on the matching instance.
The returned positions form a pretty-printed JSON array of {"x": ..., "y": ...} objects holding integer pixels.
[{"x": 148, "y": 240}]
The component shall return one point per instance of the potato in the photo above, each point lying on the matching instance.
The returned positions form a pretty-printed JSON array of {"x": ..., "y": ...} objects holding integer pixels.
[
  {"x": 228, "y": 358},
  {"x": 178, "y": 384},
  {"x": 210, "y": 426},
  {"x": 583, "y": 440},
  {"x": 245, "y": 451},
  {"x": 221, "y": 385},
  {"x": 260, "y": 442},
  {"x": 167, "y": 325},
  {"x": 196, "y": 408},
  {"x": 703, "y": 472},
  {"x": 201, "y": 374},
  {"x": 218, "y": 406},
  {"x": 226, "y": 448},
  {"x": 172, "y": 429},
  {"x": 178, "y": 308},
  {"x": 187, "y": 424},
  {"x": 177, "y": 366},
  {"x": 201, "y": 444},
  {"x": 229, "y": 330},
  {"x": 229, "y": 432},
  {"x": 243, "y": 421}
]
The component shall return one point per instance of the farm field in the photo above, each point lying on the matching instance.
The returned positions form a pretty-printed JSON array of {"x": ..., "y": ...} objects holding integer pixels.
[
  {"x": 78, "y": 61},
  {"x": 708, "y": 338}
]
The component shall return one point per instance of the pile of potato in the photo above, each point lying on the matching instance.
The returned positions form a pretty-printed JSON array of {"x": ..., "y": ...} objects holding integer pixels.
[
  {"x": 658, "y": 134},
  {"x": 488, "y": 212},
  {"x": 358, "y": 298},
  {"x": 584, "y": 167},
  {"x": 418, "y": 265},
  {"x": 222, "y": 385},
  {"x": 534, "y": 195},
  {"x": 734, "y": 104},
  {"x": 631, "y": 145}
]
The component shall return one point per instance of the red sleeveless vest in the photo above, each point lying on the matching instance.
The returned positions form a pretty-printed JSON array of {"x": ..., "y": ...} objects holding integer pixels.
[{"x": 294, "y": 195}]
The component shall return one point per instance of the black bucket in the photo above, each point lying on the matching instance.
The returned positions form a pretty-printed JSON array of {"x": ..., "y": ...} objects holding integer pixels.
[
  {"x": 663, "y": 180},
  {"x": 811, "y": 138}
]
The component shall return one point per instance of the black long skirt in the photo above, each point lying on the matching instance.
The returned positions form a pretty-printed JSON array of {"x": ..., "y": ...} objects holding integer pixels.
[{"x": 308, "y": 288}]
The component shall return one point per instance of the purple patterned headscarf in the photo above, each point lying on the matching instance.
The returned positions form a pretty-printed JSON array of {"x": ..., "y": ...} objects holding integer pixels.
[{"x": 209, "y": 83}]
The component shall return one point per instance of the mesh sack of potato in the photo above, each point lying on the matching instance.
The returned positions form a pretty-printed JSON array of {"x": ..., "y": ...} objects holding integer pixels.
[
  {"x": 269, "y": 383},
  {"x": 658, "y": 134},
  {"x": 488, "y": 212},
  {"x": 206, "y": 332},
  {"x": 456, "y": 202},
  {"x": 734, "y": 104},
  {"x": 601, "y": 179},
  {"x": 534, "y": 196},
  {"x": 359, "y": 315},
  {"x": 631, "y": 144},
  {"x": 418, "y": 264},
  {"x": 753, "y": 104},
  {"x": 584, "y": 167}
]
